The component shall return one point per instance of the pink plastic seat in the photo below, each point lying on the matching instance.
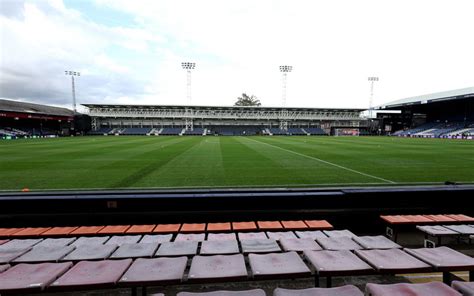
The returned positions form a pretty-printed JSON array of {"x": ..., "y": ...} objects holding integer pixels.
[
  {"x": 259, "y": 246},
  {"x": 157, "y": 271},
  {"x": 182, "y": 248},
  {"x": 91, "y": 275},
  {"x": 338, "y": 243},
  {"x": 376, "y": 242},
  {"x": 312, "y": 234},
  {"x": 123, "y": 239},
  {"x": 337, "y": 263},
  {"x": 8, "y": 255},
  {"x": 221, "y": 236},
  {"x": 254, "y": 292},
  {"x": 20, "y": 244},
  {"x": 348, "y": 290},
  {"x": 198, "y": 237},
  {"x": 4, "y": 267},
  {"x": 90, "y": 252},
  {"x": 135, "y": 251},
  {"x": 339, "y": 233},
  {"x": 217, "y": 268},
  {"x": 56, "y": 242},
  {"x": 89, "y": 241},
  {"x": 156, "y": 238},
  {"x": 219, "y": 247},
  {"x": 393, "y": 261},
  {"x": 2, "y": 241},
  {"x": 436, "y": 230},
  {"x": 275, "y": 265},
  {"x": 252, "y": 235},
  {"x": 443, "y": 258},
  {"x": 44, "y": 254},
  {"x": 466, "y": 288},
  {"x": 277, "y": 235},
  {"x": 426, "y": 289},
  {"x": 299, "y": 244},
  {"x": 25, "y": 278}
]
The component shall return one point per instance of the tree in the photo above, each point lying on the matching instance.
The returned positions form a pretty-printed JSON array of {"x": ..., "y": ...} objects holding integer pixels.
[{"x": 246, "y": 100}]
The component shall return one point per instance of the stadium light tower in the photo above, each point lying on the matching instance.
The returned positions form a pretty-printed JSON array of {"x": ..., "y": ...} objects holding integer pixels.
[
  {"x": 371, "y": 101},
  {"x": 188, "y": 66},
  {"x": 72, "y": 74},
  {"x": 284, "y": 70}
]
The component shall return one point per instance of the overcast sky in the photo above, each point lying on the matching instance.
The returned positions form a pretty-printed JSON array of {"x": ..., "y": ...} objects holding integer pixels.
[{"x": 130, "y": 51}]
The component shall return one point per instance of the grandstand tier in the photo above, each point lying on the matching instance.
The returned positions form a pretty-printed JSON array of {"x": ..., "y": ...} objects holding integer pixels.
[{"x": 215, "y": 120}]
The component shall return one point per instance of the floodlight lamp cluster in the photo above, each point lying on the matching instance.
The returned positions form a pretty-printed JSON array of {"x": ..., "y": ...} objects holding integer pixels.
[
  {"x": 286, "y": 68},
  {"x": 72, "y": 73},
  {"x": 188, "y": 65},
  {"x": 373, "y": 79}
]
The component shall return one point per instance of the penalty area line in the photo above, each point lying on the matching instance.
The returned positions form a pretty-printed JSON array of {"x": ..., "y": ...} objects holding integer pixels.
[{"x": 326, "y": 162}]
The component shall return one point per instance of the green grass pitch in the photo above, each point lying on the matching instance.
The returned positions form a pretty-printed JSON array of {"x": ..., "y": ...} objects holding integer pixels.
[{"x": 212, "y": 162}]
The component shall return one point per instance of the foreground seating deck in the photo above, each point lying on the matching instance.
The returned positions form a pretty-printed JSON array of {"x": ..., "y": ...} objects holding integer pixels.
[
  {"x": 393, "y": 261},
  {"x": 432, "y": 288}
]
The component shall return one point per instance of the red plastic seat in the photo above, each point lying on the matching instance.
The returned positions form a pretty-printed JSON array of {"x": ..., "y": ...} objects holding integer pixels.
[
  {"x": 167, "y": 228},
  {"x": 395, "y": 219},
  {"x": 59, "y": 231},
  {"x": 461, "y": 218},
  {"x": 26, "y": 278},
  {"x": 275, "y": 265},
  {"x": 6, "y": 232},
  {"x": 141, "y": 229},
  {"x": 86, "y": 230},
  {"x": 347, "y": 290},
  {"x": 440, "y": 218},
  {"x": 91, "y": 275},
  {"x": 193, "y": 227},
  {"x": 269, "y": 225},
  {"x": 294, "y": 225},
  {"x": 318, "y": 224},
  {"x": 432, "y": 288},
  {"x": 30, "y": 231},
  {"x": 114, "y": 229},
  {"x": 217, "y": 227},
  {"x": 417, "y": 219},
  {"x": 244, "y": 226},
  {"x": 157, "y": 271},
  {"x": 217, "y": 268}
]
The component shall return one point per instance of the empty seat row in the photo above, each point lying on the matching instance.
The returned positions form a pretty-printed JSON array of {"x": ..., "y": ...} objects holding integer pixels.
[
  {"x": 208, "y": 269},
  {"x": 426, "y": 219},
  {"x": 98, "y": 248},
  {"x": 165, "y": 228}
]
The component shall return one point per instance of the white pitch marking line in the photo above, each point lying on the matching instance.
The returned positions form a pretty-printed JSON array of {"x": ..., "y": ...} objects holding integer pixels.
[{"x": 324, "y": 161}]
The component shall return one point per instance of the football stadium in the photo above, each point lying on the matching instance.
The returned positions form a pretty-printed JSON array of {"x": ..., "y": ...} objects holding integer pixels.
[{"x": 118, "y": 192}]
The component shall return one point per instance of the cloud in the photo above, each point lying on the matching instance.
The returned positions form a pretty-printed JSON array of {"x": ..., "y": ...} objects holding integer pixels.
[{"x": 130, "y": 51}]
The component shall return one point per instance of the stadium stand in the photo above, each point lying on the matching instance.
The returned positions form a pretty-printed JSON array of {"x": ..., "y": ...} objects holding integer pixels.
[
  {"x": 316, "y": 131},
  {"x": 171, "y": 131},
  {"x": 195, "y": 132},
  {"x": 136, "y": 131}
]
